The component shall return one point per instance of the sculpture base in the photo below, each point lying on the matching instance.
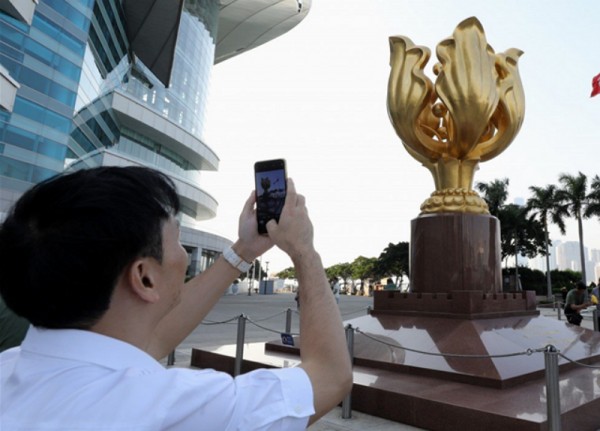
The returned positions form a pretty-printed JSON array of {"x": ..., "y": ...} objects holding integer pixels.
[
  {"x": 454, "y": 393},
  {"x": 455, "y": 251},
  {"x": 460, "y": 304}
]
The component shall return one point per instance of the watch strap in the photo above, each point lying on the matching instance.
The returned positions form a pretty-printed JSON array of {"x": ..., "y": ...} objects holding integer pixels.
[{"x": 236, "y": 261}]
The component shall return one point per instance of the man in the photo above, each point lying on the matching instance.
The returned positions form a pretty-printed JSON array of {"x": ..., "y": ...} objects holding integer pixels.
[
  {"x": 335, "y": 288},
  {"x": 92, "y": 259},
  {"x": 390, "y": 285},
  {"x": 577, "y": 300},
  {"x": 596, "y": 301}
]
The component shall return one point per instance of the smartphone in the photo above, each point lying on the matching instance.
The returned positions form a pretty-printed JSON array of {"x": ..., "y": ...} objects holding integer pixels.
[{"x": 271, "y": 188}]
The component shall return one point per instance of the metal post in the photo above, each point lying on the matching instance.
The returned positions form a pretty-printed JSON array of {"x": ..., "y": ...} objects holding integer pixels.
[
  {"x": 239, "y": 347},
  {"x": 558, "y": 311},
  {"x": 369, "y": 309},
  {"x": 249, "y": 282},
  {"x": 595, "y": 317},
  {"x": 552, "y": 388},
  {"x": 260, "y": 275},
  {"x": 347, "y": 402},
  {"x": 171, "y": 359},
  {"x": 288, "y": 321}
]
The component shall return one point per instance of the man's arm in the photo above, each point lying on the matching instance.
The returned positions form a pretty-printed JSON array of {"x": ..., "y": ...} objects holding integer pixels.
[
  {"x": 570, "y": 302},
  {"x": 200, "y": 294},
  {"x": 323, "y": 351}
]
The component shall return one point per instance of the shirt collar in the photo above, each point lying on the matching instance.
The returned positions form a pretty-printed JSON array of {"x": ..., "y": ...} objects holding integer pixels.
[{"x": 87, "y": 346}]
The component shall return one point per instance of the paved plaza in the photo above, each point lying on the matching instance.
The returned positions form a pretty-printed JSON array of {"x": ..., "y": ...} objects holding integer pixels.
[{"x": 267, "y": 319}]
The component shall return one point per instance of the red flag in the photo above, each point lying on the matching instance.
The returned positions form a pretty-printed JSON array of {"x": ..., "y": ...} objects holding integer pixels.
[{"x": 595, "y": 85}]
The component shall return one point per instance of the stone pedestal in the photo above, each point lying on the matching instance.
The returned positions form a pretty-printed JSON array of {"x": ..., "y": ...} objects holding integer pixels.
[
  {"x": 455, "y": 251},
  {"x": 455, "y": 272}
]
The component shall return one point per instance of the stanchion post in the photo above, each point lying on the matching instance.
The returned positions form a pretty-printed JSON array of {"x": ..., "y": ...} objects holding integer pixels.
[
  {"x": 552, "y": 388},
  {"x": 288, "y": 321},
  {"x": 558, "y": 311},
  {"x": 595, "y": 317},
  {"x": 239, "y": 347},
  {"x": 368, "y": 309},
  {"x": 347, "y": 402}
]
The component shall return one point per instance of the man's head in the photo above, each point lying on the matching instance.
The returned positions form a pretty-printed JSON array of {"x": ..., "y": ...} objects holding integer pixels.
[
  {"x": 67, "y": 240},
  {"x": 580, "y": 286}
]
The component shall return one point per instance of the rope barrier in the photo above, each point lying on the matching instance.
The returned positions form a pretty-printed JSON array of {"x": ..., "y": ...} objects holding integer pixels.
[
  {"x": 527, "y": 352},
  {"x": 270, "y": 317},
  {"x": 363, "y": 309},
  {"x": 581, "y": 364},
  {"x": 210, "y": 322},
  {"x": 265, "y": 328}
]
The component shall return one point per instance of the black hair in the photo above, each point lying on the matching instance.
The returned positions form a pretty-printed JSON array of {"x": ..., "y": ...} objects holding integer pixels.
[
  {"x": 580, "y": 285},
  {"x": 66, "y": 241}
]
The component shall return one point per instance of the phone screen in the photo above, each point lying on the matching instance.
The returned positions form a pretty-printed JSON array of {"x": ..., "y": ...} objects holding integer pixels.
[{"x": 271, "y": 188}]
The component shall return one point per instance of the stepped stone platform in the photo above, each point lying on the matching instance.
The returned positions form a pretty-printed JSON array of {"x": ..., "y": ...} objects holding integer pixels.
[{"x": 453, "y": 392}]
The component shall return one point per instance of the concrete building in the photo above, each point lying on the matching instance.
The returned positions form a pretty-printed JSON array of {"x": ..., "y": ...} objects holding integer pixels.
[{"x": 115, "y": 82}]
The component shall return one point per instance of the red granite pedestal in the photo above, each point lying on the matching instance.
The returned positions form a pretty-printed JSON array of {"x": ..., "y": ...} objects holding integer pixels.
[{"x": 457, "y": 353}]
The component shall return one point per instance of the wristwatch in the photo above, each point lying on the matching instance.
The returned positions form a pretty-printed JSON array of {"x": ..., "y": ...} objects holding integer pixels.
[{"x": 234, "y": 260}]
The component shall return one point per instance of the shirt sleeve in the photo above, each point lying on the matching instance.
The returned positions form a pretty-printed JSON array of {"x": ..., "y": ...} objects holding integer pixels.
[{"x": 269, "y": 400}]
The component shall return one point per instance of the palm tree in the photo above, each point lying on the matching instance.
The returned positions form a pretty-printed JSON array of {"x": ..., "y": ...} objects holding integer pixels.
[
  {"x": 574, "y": 195},
  {"x": 593, "y": 206},
  {"x": 495, "y": 194},
  {"x": 545, "y": 206}
]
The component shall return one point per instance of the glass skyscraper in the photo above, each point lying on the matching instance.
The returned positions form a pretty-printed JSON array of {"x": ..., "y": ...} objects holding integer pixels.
[{"x": 110, "y": 82}]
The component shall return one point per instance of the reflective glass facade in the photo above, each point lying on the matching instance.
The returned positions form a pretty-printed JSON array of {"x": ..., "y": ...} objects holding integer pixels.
[
  {"x": 45, "y": 59},
  {"x": 86, "y": 100}
]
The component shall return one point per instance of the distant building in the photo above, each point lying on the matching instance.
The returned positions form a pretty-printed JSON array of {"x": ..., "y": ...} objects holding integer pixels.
[
  {"x": 539, "y": 262},
  {"x": 568, "y": 256},
  {"x": 108, "y": 82}
]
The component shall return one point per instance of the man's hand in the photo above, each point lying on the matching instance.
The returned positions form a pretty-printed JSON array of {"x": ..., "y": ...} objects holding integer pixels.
[
  {"x": 250, "y": 243},
  {"x": 294, "y": 232}
]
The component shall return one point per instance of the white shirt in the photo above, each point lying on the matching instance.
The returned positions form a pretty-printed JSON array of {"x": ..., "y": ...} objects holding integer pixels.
[{"x": 80, "y": 380}]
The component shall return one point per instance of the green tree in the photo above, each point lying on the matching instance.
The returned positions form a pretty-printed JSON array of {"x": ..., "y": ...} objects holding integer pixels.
[
  {"x": 593, "y": 207},
  {"x": 287, "y": 273},
  {"x": 343, "y": 270},
  {"x": 364, "y": 267},
  {"x": 494, "y": 193},
  {"x": 544, "y": 205},
  {"x": 393, "y": 261},
  {"x": 519, "y": 234},
  {"x": 574, "y": 195}
]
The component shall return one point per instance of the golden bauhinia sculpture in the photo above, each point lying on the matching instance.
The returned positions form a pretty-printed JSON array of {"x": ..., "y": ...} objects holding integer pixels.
[{"x": 471, "y": 114}]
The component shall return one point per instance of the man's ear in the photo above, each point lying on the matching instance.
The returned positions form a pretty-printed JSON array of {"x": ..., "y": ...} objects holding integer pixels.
[{"x": 142, "y": 276}]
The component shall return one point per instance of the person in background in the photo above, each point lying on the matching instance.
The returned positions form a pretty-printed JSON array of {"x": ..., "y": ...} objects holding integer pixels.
[
  {"x": 596, "y": 301},
  {"x": 577, "y": 300},
  {"x": 93, "y": 260},
  {"x": 390, "y": 285},
  {"x": 335, "y": 288}
]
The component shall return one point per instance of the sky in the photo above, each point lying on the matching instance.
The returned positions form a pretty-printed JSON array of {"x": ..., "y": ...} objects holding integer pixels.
[{"x": 316, "y": 96}]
